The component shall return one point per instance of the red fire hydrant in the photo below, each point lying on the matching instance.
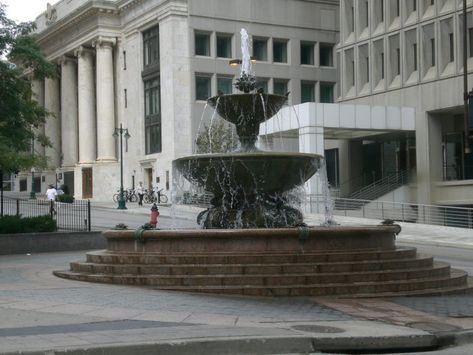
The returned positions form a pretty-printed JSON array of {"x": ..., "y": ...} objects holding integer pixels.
[{"x": 154, "y": 215}]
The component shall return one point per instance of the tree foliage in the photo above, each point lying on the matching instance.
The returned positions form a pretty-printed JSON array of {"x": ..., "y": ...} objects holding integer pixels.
[
  {"x": 219, "y": 137},
  {"x": 20, "y": 114}
]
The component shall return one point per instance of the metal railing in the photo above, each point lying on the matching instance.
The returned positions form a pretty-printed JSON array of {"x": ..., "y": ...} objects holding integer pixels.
[
  {"x": 398, "y": 211},
  {"x": 380, "y": 187},
  {"x": 73, "y": 216}
]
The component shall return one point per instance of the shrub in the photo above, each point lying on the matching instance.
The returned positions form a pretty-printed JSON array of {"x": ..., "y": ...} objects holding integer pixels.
[
  {"x": 65, "y": 198},
  {"x": 18, "y": 224}
]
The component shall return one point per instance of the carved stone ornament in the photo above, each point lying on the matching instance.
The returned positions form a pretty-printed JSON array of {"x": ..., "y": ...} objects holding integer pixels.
[{"x": 51, "y": 14}]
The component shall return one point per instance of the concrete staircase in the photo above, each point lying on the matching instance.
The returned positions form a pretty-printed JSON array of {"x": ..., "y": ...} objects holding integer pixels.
[{"x": 360, "y": 273}]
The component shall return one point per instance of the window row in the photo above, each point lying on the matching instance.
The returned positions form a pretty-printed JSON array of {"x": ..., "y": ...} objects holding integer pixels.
[
  {"x": 224, "y": 85},
  {"x": 360, "y": 18},
  {"x": 264, "y": 49},
  {"x": 422, "y": 53}
]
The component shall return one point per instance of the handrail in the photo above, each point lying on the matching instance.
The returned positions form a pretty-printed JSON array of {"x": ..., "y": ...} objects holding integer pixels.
[
  {"x": 399, "y": 211},
  {"x": 389, "y": 180}
]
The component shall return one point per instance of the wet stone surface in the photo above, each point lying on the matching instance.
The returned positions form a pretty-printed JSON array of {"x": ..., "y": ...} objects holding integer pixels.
[{"x": 446, "y": 306}]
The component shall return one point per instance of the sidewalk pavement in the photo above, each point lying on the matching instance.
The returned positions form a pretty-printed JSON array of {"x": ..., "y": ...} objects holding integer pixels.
[{"x": 42, "y": 314}]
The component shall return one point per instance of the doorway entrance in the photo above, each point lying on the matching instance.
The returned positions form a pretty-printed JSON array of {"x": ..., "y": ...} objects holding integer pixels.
[
  {"x": 87, "y": 190},
  {"x": 149, "y": 178}
]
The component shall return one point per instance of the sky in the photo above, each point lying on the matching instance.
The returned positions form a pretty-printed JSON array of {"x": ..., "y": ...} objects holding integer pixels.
[{"x": 25, "y": 10}]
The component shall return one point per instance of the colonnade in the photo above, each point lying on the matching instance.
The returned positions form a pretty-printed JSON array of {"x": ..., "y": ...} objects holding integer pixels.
[{"x": 82, "y": 106}]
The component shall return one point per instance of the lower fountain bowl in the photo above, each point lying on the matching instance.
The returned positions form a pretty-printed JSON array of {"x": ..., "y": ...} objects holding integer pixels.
[{"x": 248, "y": 173}]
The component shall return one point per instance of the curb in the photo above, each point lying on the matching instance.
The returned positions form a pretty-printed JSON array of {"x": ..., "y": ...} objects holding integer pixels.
[{"x": 256, "y": 346}]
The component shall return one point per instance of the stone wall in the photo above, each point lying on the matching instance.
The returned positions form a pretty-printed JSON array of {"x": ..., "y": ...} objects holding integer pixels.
[{"x": 50, "y": 242}]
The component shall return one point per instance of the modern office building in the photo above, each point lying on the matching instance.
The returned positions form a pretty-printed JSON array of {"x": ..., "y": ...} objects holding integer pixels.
[
  {"x": 150, "y": 65},
  {"x": 409, "y": 54}
]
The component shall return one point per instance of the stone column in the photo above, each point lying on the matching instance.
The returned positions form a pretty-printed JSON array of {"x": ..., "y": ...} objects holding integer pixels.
[
  {"x": 86, "y": 106},
  {"x": 105, "y": 99},
  {"x": 69, "y": 111},
  {"x": 311, "y": 140},
  {"x": 37, "y": 86},
  {"x": 52, "y": 127}
]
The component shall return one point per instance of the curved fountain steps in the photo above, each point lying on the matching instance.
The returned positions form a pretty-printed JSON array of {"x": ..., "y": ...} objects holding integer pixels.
[{"x": 369, "y": 266}]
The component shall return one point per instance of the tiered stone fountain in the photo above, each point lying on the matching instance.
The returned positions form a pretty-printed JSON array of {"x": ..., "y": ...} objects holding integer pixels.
[{"x": 252, "y": 241}]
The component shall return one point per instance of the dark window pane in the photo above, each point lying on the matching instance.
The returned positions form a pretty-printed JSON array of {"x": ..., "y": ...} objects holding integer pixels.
[
  {"x": 451, "y": 46},
  {"x": 260, "y": 49},
  {"x": 307, "y": 92},
  {"x": 326, "y": 93},
  {"x": 470, "y": 40},
  {"x": 280, "y": 87},
  {"x": 224, "y": 46},
  {"x": 307, "y": 53},
  {"x": 151, "y": 46},
  {"x": 262, "y": 83},
  {"x": 152, "y": 116},
  {"x": 224, "y": 85},
  {"x": 153, "y": 138},
  {"x": 280, "y": 51},
  {"x": 202, "y": 44},
  {"x": 326, "y": 55},
  {"x": 202, "y": 87},
  {"x": 453, "y": 156}
]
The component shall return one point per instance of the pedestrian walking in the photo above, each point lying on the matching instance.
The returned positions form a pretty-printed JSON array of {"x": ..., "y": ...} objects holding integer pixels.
[
  {"x": 51, "y": 195},
  {"x": 140, "y": 191}
]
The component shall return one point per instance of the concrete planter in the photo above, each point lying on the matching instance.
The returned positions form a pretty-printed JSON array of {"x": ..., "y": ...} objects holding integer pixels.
[{"x": 50, "y": 242}]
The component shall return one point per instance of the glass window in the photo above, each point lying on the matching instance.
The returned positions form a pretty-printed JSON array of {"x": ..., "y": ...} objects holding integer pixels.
[
  {"x": 279, "y": 51},
  {"x": 152, "y": 116},
  {"x": 307, "y": 53},
  {"x": 326, "y": 55},
  {"x": 262, "y": 83},
  {"x": 326, "y": 93},
  {"x": 202, "y": 87},
  {"x": 452, "y": 156},
  {"x": 151, "y": 46},
  {"x": 470, "y": 41},
  {"x": 260, "y": 49},
  {"x": 307, "y": 92},
  {"x": 202, "y": 44},
  {"x": 224, "y": 45},
  {"x": 224, "y": 85},
  {"x": 280, "y": 87}
]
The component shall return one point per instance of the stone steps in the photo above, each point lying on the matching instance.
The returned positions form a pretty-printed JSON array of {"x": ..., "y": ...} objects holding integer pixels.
[
  {"x": 336, "y": 261},
  {"x": 298, "y": 285},
  {"x": 438, "y": 270},
  {"x": 251, "y": 269},
  {"x": 105, "y": 257}
]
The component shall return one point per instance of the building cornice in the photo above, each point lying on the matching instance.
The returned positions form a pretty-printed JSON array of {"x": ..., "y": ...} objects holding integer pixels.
[{"x": 88, "y": 10}]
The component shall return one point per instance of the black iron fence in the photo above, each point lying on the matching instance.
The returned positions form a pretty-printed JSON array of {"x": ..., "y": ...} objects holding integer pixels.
[{"x": 74, "y": 216}]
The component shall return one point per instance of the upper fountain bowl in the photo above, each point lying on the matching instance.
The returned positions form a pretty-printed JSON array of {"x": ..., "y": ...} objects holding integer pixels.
[{"x": 241, "y": 108}]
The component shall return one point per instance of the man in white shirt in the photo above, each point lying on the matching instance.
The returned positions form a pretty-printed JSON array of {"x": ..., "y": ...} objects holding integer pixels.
[
  {"x": 51, "y": 193},
  {"x": 140, "y": 191}
]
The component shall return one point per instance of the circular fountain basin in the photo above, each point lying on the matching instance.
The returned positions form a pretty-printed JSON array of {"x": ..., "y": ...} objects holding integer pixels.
[
  {"x": 254, "y": 107},
  {"x": 251, "y": 173}
]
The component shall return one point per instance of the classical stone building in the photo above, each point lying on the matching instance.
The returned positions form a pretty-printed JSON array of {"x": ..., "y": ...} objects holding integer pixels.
[{"x": 149, "y": 65}]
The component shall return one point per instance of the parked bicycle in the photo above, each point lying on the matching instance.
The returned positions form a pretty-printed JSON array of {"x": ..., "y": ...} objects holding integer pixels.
[
  {"x": 128, "y": 194},
  {"x": 155, "y": 197}
]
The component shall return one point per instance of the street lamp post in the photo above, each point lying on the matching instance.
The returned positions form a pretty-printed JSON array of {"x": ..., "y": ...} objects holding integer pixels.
[
  {"x": 466, "y": 127},
  {"x": 32, "y": 193},
  {"x": 121, "y": 132},
  {"x": 55, "y": 184}
]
